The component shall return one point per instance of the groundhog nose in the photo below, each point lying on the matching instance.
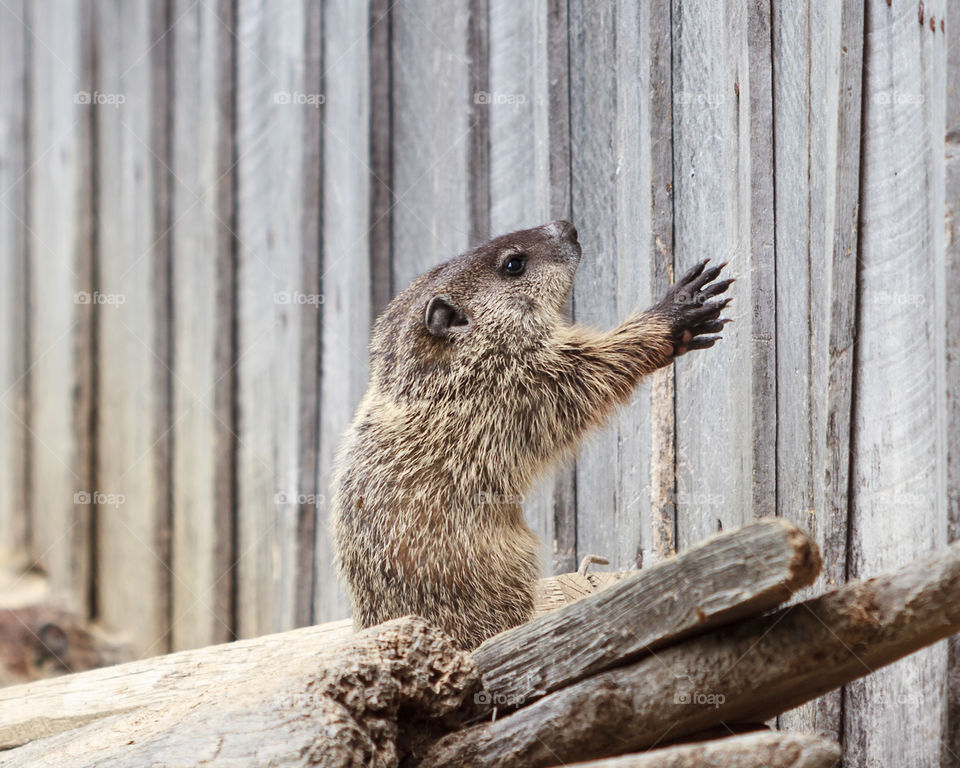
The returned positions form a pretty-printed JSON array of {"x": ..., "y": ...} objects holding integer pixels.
[{"x": 565, "y": 230}]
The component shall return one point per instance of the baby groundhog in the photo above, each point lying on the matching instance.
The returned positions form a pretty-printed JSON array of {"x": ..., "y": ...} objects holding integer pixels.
[{"x": 478, "y": 385}]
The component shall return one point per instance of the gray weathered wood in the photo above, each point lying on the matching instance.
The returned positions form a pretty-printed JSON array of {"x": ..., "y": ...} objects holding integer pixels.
[
  {"x": 898, "y": 480},
  {"x": 278, "y": 308},
  {"x": 49, "y": 707},
  {"x": 380, "y": 215},
  {"x": 432, "y": 131},
  {"x": 663, "y": 498},
  {"x": 60, "y": 246},
  {"x": 951, "y": 739},
  {"x": 529, "y": 166},
  {"x": 613, "y": 174},
  {"x": 14, "y": 529},
  {"x": 202, "y": 268},
  {"x": 132, "y": 325},
  {"x": 722, "y": 89},
  {"x": 748, "y": 672},
  {"x": 346, "y": 709},
  {"x": 346, "y": 263},
  {"x": 952, "y": 736},
  {"x": 818, "y": 179},
  {"x": 727, "y": 577},
  {"x": 770, "y": 750}
]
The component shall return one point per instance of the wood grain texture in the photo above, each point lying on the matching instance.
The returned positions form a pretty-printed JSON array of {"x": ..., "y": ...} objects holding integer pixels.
[
  {"x": 770, "y": 750},
  {"x": 14, "y": 529},
  {"x": 346, "y": 264},
  {"x": 745, "y": 673},
  {"x": 132, "y": 331},
  {"x": 663, "y": 464},
  {"x": 898, "y": 479},
  {"x": 203, "y": 274},
  {"x": 951, "y": 756},
  {"x": 346, "y": 709},
  {"x": 432, "y": 133},
  {"x": 48, "y": 707},
  {"x": 727, "y": 577},
  {"x": 818, "y": 179},
  {"x": 951, "y": 740},
  {"x": 279, "y": 307},
  {"x": 724, "y": 201},
  {"x": 612, "y": 175},
  {"x": 61, "y": 323},
  {"x": 529, "y": 161},
  {"x": 380, "y": 41}
]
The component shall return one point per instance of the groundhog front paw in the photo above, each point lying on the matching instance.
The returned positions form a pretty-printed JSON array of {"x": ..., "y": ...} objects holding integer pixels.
[{"x": 691, "y": 312}]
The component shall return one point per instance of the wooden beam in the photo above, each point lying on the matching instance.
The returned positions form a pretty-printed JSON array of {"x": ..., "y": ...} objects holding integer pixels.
[
  {"x": 344, "y": 708},
  {"x": 749, "y": 672},
  {"x": 49, "y": 707},
  {"x": 728, "y": 577},
  {"x": 770, "y": 750}
]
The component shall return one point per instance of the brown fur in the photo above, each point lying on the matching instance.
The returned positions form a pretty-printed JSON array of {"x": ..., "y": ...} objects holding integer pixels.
[{"x": 455, "y": 427}]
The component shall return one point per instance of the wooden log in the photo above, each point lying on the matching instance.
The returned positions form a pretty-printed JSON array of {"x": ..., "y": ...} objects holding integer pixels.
[
  {"x": 46, "y": 640},
  {"x": 751, "y": 671},
  {"x": 32, "y": 711},
  {"x": 728, "y": 577},
  {"x": 345, "y": 711},
  {"x": 49, "y": 707},
  {"x": 770, "y": 750}
]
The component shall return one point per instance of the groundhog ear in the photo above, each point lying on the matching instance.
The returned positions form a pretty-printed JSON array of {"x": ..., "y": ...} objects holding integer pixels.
[{"x": 442, "y": 317}]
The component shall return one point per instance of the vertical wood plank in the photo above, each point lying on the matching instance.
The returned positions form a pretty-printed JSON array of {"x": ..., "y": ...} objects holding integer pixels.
[
  {"x": 951, "y": 752},
  {"x": 202, "y": 268},
  {"x": 14, "y": 53},
  {"x": 815, "y": 328},
  {"x": 898, "y": 483},
  {"x": 620, "y": 501},
  {"x": 663, "y": 502},
  {"x": 724, "y": 202},
  {"x": 346, "y": 260},
  {"x": 61, "y": 311},
  {"x": 278, "y": 142},
  {"x": 132, "y": 316},
  {"x": 529, "y": 167},
  {"x": 432, "y": 135},
  {"x": 380, "y": 47}
]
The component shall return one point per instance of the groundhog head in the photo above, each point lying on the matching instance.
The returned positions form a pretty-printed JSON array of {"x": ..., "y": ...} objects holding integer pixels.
[
  {"x": 506, "y": 294},
  {"x": 511, "y": 288}
]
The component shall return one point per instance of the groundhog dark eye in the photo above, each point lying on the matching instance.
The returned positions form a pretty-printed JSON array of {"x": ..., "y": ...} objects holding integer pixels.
[{"x": 515, "y": 265}]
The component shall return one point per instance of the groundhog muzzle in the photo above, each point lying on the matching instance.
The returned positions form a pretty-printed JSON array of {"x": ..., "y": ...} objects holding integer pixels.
[{"x": 478, "y": 385}]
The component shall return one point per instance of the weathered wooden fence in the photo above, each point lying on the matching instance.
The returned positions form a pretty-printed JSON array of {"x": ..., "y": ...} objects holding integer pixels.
[{"x": 203, "y": 206}]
